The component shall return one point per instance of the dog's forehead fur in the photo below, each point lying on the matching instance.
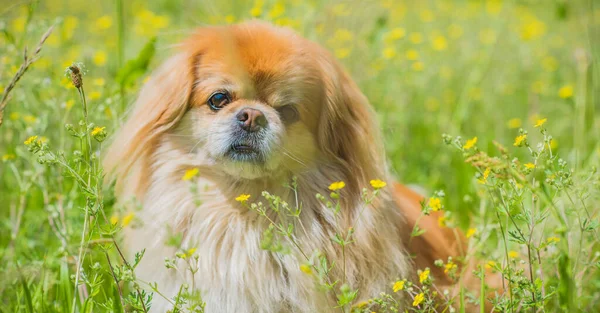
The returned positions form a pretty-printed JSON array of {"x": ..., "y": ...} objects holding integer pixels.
[{"x": 270, "y": 64}]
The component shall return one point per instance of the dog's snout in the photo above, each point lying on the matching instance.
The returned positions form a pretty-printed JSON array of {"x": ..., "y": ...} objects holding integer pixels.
[{"x": 251, "y": 119}]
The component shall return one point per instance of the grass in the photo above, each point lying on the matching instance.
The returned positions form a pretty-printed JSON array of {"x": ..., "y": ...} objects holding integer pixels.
[{"x": 434, "y": 71}]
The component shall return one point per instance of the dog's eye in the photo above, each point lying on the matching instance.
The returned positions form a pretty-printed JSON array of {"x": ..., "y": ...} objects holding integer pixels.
[
  {"x": 218, "y": 100},
  {"x": 288, "y": 114}
]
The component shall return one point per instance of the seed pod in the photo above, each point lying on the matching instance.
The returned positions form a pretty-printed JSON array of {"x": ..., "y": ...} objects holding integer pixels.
[{"x": 76, "y": 77}]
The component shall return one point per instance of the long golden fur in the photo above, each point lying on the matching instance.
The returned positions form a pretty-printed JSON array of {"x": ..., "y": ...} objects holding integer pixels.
[{"x": 172, "y": 129}]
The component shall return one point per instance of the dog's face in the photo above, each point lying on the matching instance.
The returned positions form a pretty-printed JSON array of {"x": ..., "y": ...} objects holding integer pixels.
[
  {"x": 252, "y": 101},
  {"x": 255, "y": 103}
]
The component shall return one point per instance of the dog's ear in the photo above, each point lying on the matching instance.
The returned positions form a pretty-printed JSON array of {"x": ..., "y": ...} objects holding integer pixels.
[
  {"x": 160, "y": 105},
  {"x": 348, "y": 133}
]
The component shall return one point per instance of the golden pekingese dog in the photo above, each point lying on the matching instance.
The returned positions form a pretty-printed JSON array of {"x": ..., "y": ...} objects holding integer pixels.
[{"x": 252, "y": 106}]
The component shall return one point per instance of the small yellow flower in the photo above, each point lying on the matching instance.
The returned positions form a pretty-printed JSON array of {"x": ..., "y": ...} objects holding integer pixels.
[
  {"x": 471, "y": 232},
  {"x": 435, "y": 204},
  {"x": 8, "y": 156},
  {"x": 361, "y": 304},
  {"x": 485, "y": 176},
  {"x": 529, "y": 165},
  {"x": 99, "y": 82},
  {"x": 412, "y": 55},
  {"x": 29, "y": 119},
  {"x": 377, "y": 184},
  {"x": 190, "y": 252},
  {"x": 439, "y": 43},
  {"x": 114, "y": 219},
  {"x": 520, "y": 140},
  {"x": 342, "y": 53},
  {"x": 540, "y": 122},
  {"x": 127, "y": 219},
  {"x": 514, "y": 123},
  {"x": 470, "y": 143},
  {"x": 449, "y": 267},
  {"x": 389, "y": 53},
  {"x": 490, "y": 264},
  {"x": 242, "y": 198},
  {"x": 30, "y": 140},
  {"x": 565, "y": 91},
  {"x": 99, "y": 58},
  {"x": 104, "y": 22},
  {"x": 15, "y": 116},
  {"x": 399, "y": 285},
  {"x": 442, "y": 221},
  {"x": 424, "y": 275},
  {"x": 418, "y": 66},
  {"x": 337, "y": 186},
  {"x": 94, "y": 95},
  {"x": 189, "y": 174},
  {"x": 553, "y": 240},
  {"x": 418, "y": 299},
  {"x": 306, "y": 269},
  {"x": 97, "y": 130},
  {"x": 513, "y": 254}
]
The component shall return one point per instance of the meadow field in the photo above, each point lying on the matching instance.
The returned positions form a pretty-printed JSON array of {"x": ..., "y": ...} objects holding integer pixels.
[{"x": 490, "y": 107}]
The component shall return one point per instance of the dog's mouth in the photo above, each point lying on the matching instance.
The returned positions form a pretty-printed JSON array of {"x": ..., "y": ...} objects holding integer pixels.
[{"x": 245, "y": 153}]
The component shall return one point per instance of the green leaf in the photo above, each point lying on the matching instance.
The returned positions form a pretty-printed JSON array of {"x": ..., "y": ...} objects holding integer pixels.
[{"x": 137, "y": 67}]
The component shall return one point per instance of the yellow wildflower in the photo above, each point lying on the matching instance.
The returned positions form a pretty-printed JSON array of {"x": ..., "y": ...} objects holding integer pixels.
[
  {"x": 435, "y": 203},
  {"x": 14, "y": 116},
  {"x": 553, "y": 240},
  {"x": 190, "y": 252},
  {"x": 114, "y": 219},
  {"x": 442, "y": 221},
  {"x": 29, "y": 119},
  {"x": 99, "y": 58},
  {"x": 94, "y": 95},
  {"x": 389, "y": 53},
  {"x": 439, "y": 43},
  {"x": 337, "y": 185},
  {"x": 361, "y": 304},
  {"x": 396, "y": 33},
  {"x": 490, "y": 264},
  {"x": 242, "y": 198},
  {"x": 104, "y": 22},
  {"x": 513, "y": 254},
  {"x": 306, "y": 269},
  {"x": 418, "y": 66},
  {"x": 470, "y": 143},
  {"x": 514, "y": 123},
  {"x": 399, "y": 285},
  {"x": 424, "y": 275},
  {"x": 471, "y": 232},
  {"x": 377, "y": 184},
  {"x": 97, "y": 130},
  {"x": 342, "y": 53},
  {"x": 412, "y": 54},
  {"x": 30, "y": 140},
  {"x": 277, "y": 10},
  {"x": 529, "y": 165},
  {"x": 520, "y": 140},
  {"x": 98, "y": 82},
  {"x": 418, "y": 299},
  {"x": 485, "y": 176},
  {"x": 8, "y": 156},
  {"x": 449, "y": 267},
  {"x": 565, "y": 91},
  {"x": 127, "y": 219},
  {"x": 540, "y": 122},
  {"x": 189, "y": 174}
]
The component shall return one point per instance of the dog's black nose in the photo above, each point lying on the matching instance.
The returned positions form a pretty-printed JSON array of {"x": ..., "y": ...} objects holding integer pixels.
[{"x": 251, "y": 119}]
